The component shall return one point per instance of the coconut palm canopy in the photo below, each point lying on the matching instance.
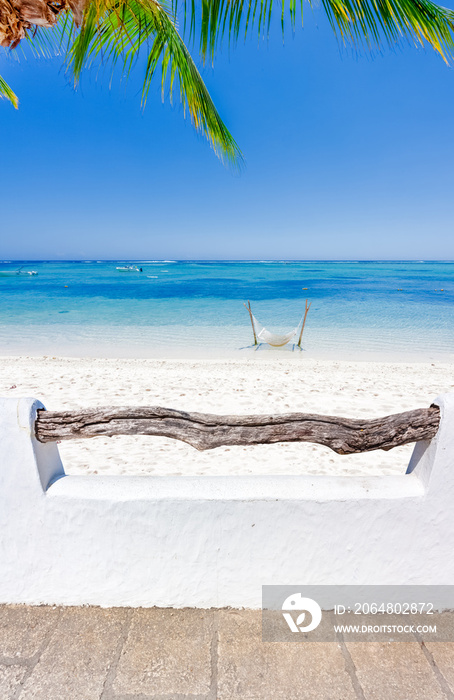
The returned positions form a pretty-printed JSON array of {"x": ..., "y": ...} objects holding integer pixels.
[{"x": 86, "y": 31}]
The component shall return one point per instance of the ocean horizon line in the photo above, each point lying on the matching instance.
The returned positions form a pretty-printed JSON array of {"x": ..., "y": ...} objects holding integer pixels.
[{"x": 226, "y": 261}]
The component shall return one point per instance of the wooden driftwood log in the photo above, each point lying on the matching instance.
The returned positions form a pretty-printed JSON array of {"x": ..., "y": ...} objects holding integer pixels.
[{"x": 206, "y": 431}]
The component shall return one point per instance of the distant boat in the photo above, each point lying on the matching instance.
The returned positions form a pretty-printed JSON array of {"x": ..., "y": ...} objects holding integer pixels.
[
  {"x": 14, "y": 273},
  {"x": 129, "y": 268},
  {"x": 20, "y": 271}
]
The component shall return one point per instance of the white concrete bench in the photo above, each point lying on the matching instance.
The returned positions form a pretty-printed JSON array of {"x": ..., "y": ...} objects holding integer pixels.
[{"x": 213, "y": 541}]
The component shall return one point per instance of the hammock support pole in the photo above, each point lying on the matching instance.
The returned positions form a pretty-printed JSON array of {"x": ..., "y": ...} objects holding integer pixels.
[
  {"x": 304, "y": 322},
  {"x": 248, "y": 307}
]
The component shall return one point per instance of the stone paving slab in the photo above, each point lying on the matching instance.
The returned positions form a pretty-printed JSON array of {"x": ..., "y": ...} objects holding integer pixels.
[
  {"x": 443, "y": 654},
  {"x": 443, "y": 657},
  {"x": 75, "y": 663},
  {"x": 249, "y": 668},
  {"x": 90, "y": 653},
  {"x": 167, "y": 652},
  {"x": 397, "y": 670},
  {"x": 11, "y": 678},
  {"x": 23, "y": 629}
]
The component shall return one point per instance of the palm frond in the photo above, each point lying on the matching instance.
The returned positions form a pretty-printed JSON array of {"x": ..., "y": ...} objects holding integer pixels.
[
  {"x": 50, "y": 42},
  {"x": 360, "y": 23},
  {"x": 371, "y": 23},
  {"x": 7, "y": 93},
  {"x": 117, "y": 31}
]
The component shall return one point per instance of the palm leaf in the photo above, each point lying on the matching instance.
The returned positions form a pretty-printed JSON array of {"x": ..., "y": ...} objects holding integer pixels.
[
  {"x": 7, "y": 93},
  {"x": 117, "y": 31},
  {"x": 371, "y": 23},
  {"x": 51, "y": 42},
  {"x": 361, "y": 23}
]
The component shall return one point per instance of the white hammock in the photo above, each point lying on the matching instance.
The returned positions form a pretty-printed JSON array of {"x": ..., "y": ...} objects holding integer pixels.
[{"x": 273, "y": 339}]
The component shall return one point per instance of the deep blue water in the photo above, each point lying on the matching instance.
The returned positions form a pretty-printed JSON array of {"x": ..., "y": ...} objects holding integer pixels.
[{"x": 371, "y": 307}]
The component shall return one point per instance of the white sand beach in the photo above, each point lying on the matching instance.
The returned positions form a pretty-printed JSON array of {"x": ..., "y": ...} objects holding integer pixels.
[{"x": 266, "y": 385}]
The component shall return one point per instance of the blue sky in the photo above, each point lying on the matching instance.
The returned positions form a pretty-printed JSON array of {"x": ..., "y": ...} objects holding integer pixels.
[{"x": 347, "y": 157}]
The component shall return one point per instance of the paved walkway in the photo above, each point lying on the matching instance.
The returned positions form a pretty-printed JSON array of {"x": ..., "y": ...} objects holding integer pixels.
[{"x": 49, "y": 653}]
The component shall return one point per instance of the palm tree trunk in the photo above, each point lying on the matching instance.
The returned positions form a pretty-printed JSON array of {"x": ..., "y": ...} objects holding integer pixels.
[{"x": 18, "y": 16}]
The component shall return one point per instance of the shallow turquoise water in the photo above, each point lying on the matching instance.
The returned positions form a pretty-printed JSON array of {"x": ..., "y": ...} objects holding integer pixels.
[{"x": 359, "y": 309}]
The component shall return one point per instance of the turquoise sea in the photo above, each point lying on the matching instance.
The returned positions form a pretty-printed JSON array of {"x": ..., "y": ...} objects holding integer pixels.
[{"x": 360, "y": 310}]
